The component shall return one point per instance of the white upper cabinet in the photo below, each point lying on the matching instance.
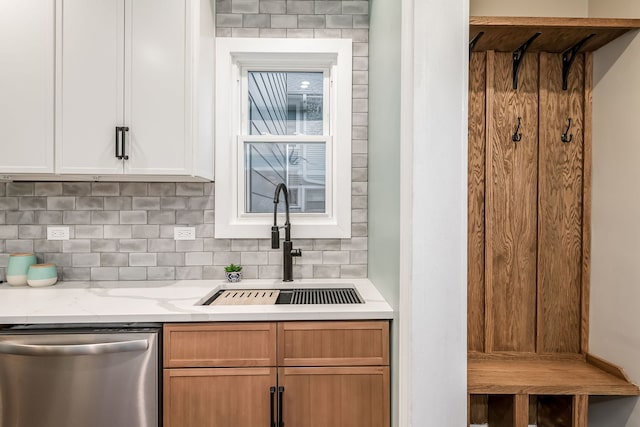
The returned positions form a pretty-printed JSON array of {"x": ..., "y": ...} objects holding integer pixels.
[
  {"x": 158, "y": 98},
  {"x": 135, "y": 65},
  {"x": 91, "y": 85},
  {"x": 27, "y": 43}
]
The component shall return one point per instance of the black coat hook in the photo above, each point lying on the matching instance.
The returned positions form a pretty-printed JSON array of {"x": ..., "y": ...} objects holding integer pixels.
[
  {"x": 564, "y": 136},
  {"x": 517, "y": 137}
]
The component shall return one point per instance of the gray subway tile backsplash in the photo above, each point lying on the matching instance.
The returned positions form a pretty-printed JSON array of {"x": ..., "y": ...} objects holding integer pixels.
[
  {"x": 20, "y": 189},
  {"x": 297, "y": 7},
  {"x": 245, "y": 6},
  {"x": 20, "y": 217},
  {"x": 273, "y": 6},
  {"x": 35, "y": 203},
  {"x": 328, "y": 7},
  {"x": 358, "y": 7},
  {"x": 114, "y": 260},
  {"x": 189, "y": 273},
  {"x": 161, "y": 273},
  {"x": 124, "y": 230},
  {"x": 284, "y": 21}
]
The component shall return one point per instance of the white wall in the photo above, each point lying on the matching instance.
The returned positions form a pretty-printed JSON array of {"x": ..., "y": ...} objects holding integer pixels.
[
  {"x": 433, "y": 213},
  {"x": 615, "y": 267},
  {"x": 565, "y": 8},
  {"x": 384, "y": 165}
]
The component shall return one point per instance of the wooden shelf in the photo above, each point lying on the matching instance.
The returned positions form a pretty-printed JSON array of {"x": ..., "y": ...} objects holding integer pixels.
[
  {"x": 505, "y": 34},
  {"x": 568, "y": 376}
]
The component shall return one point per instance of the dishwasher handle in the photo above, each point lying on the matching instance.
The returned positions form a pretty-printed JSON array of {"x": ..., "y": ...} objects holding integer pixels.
[{"x": 9, "y": 347}]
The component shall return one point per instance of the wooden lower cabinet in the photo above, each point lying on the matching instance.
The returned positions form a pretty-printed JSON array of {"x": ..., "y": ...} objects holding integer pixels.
[
  {"x": 218, "y": 397},
  {"x": 215, "y": 374},
  {"x": 335, "y": 396}
]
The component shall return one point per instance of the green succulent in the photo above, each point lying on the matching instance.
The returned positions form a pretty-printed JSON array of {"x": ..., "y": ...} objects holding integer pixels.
[{"x": 232, "y": 268}]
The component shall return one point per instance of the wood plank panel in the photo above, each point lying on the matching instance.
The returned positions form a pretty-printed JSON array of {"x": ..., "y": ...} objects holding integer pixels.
[
  {"x": 560, "y": 206},
  {"x": 580, "y": 410},
  {"x": 586, "y": 200},
  {"x": 511, "y": 205},
  {"x": 544, "y": 377},
  {"x": 478, "y": 409},
  {"x": 521, "y": 410},
  {"x": 219, "y": 397},
  {"x": 506, "y": 34},
  {"x": 338, "y": 397},
  {"x": 476, "y": 194}
]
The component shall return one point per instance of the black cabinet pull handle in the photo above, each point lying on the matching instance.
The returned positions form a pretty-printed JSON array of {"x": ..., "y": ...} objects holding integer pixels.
[
  {"x": 125, "y": 156},
  {"x": 280, "y": 399},
  {"x": 118, "y": 156},
  {"x": 272, "y": 392},
  {"x": 121, "y": 140}
]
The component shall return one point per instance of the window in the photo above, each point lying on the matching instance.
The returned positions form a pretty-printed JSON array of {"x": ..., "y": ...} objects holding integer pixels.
[{"x": 283, "y": 114}]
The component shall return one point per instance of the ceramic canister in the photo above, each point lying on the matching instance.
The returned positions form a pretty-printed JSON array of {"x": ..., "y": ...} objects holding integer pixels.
[
  {"x": 42, "y": 275},
  {"x": 17, "y": 268}
]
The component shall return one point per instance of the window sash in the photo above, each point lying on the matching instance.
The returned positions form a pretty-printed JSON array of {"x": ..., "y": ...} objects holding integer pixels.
[
  {"x": 327, "y": 96},
  {"x": 292, "y": 139}
]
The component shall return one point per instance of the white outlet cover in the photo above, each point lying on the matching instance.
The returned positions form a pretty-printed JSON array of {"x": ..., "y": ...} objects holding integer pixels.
[
  {"x": 57, "y": 233},
  {"x": 184, "y": 233}
]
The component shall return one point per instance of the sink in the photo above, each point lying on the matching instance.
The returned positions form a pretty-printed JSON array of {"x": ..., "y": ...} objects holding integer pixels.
[{"x": 342, "y": 295}]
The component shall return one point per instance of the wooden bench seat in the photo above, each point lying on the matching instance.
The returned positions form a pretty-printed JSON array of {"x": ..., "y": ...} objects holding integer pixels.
[
  {"x": 568, "y": 376},
  {"x": 517, "y": 390}
]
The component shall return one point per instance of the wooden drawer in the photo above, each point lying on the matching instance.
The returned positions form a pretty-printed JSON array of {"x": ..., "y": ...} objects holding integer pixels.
[
  {"x": 333, "y": 343},
  {"x": 219, "y": 345}
]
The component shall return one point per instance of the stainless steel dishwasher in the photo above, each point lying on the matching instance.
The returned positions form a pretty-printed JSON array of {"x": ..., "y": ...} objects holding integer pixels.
[{"x": 98, "y": 377}]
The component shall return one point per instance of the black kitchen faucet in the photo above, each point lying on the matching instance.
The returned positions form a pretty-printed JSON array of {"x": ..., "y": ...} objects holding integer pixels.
[{"x": 287, "y": 246}]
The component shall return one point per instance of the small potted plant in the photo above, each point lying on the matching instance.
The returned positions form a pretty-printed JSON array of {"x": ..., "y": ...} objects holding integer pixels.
[{"x": 233, "y": 272}]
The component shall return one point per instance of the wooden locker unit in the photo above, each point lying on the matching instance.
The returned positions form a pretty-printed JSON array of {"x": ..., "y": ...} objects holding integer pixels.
[{"x": 529, "y": 221}]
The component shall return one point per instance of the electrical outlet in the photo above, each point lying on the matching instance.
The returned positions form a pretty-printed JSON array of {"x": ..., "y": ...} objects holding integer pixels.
[
  {"x": 184, "y": 233},
  {"x": 57, "y": 233}
]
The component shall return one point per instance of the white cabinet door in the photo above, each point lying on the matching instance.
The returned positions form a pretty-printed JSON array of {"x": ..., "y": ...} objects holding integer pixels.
[
  {"x": 27, "y": 42},
  {"x": 90, "y": 85},
  {"x": 157, "y": 104}
]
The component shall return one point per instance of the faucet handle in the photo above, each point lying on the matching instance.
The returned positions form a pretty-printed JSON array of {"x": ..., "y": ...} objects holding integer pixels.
[
  {"x": 275, "y": 237},
  {"x": 296, "y": 252}
]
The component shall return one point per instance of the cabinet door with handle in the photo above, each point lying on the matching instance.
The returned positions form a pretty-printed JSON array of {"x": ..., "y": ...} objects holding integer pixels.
[
  {"x": 157, "y": 92},
  {"x": 90, "y": 85},
  {"x": 334, "y": 396},
  {"x": 220, "y": 397},
  {"x": 26, "y": 85}
]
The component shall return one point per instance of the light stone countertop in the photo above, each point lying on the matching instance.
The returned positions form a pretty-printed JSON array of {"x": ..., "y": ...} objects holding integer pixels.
[{"x": 174, "y": 301}]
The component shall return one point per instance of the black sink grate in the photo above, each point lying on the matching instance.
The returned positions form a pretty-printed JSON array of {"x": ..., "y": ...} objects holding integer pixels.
[{"x": 325, "y": 296}]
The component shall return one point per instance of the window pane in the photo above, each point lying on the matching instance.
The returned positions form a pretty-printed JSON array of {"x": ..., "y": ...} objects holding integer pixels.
[
  {"x": 285, "y": 103},
  {"x": 301, "y": 166}
]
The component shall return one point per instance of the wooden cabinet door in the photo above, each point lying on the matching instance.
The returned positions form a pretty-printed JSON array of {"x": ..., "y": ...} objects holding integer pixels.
[
  {"x": 90, "y": 86},
  {"x": 335, "y": 396},
  {"x": 224, "y": 344},
  {"x": 218, "y": 397},
  {"x": 158, "y": 87},
  {"x": 343, "y": 343},
  {"x": 27, "y": 42}
]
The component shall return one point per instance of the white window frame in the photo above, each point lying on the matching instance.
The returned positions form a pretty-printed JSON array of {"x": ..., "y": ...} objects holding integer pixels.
[{"x": 234, "y": 56}]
